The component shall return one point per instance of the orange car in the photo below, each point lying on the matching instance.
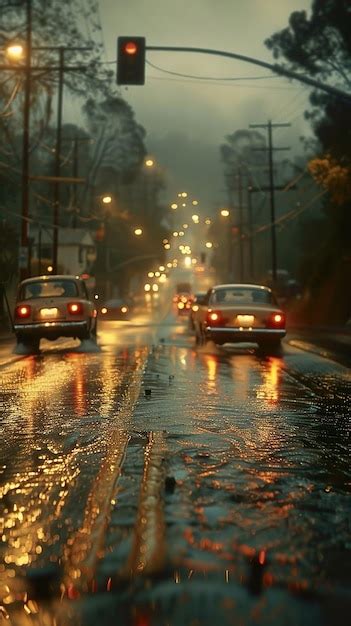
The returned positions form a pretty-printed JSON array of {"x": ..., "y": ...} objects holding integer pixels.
[{"x": 53, "y": 306}]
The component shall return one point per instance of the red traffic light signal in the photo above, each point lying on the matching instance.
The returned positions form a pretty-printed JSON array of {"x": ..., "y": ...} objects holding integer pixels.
[{"x": 131, "y": 60}]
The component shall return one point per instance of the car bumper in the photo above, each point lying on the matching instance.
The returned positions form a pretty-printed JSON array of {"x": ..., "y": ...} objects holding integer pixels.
[
  {"x": 236, "y": 335},
  {"x": 52, "y": 329}
]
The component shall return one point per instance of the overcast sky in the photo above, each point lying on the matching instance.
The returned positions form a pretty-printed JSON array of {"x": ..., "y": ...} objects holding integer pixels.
[{"x": 187, "y": 119}]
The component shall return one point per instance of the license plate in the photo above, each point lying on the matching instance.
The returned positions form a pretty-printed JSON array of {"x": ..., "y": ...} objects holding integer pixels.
[
  {"x": 49, "y": 313},
  {"x": 246, "y": 321}
]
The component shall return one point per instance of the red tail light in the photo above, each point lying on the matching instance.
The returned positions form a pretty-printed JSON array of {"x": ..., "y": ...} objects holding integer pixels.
[
  {"x": 215, "y": 318},
  {"x": 75, "y": 308},
  {"x": 23, "y": 311},
  {"x": 276, "y": 320}
]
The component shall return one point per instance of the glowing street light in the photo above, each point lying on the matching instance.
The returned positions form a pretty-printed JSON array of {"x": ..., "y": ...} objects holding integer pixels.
[
  {"x": 209, "y": 244},
  {"x": 184, "y": 194},
  {"x": 106, "y": 199},
  {"x": 174, "y": 205},
  {"x": 147, "y": 287},
  {"x": 15, "y": 52},
  {"x": 195, "y": 202},
  {"x": 138, "y": 232},
  {"x": 151, "y": 274},
  {"x": 149, "y": 162},
  {"x": 224, "y": 213},
  {"x": 207, "y": 221},
  {"x": 195, "y": 218},
  {"x": 167, "y": 246}
]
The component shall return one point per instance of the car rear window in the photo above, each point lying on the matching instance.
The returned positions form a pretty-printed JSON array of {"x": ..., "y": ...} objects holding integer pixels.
[
  {"x": 242, "y": 296},
  {"x": 49, "y": 289}
]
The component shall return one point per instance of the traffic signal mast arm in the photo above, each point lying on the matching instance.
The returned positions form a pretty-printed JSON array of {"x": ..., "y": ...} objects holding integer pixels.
[{"x": 277, "y": 69}]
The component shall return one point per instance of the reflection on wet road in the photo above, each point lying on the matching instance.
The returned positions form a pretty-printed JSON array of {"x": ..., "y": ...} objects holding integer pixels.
[{"x": 166, "y": 484}]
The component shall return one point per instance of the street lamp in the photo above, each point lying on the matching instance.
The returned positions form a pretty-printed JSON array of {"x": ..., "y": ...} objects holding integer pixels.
[
  {"x": 106, "y": 199},
  {"x": 224, "y": 213},
  {"x": 209, "y": 244},
  {"x": 149, "y": 162},
  {"x": 174, "y": 205},
  {"x": 138, "y": 232},
  {"x": 15, "y": 52}
]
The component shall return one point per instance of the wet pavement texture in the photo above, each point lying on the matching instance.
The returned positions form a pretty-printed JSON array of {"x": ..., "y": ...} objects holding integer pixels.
[{"x": 153, "y": 483}]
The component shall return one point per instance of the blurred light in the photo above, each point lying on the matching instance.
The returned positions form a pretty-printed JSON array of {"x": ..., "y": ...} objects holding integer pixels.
[
  {"x": 107, "y": 199},
  {"x": 208, "y": 244},
  {"x": 181, "y": 233},
  {"x": 147, "y": 287},
  {"x": 207, "y": 221},
  {"x": 15, "y": 51},
  {"x": 162, "y": 268},
  {"x": 150, "y": 274},
  {"x": 164, "y": 240},
  {"x": 124, "y": 309},
  {"x": 104, "y": 310},
  {"x": 181, "y": 305},
  {"x": 184, "y": 194},
  {"x": 167, "y": 246},
  {"x": 96, "y": 296},
  {"x": 224, "y": 213},
  {"x": 174, "y": 205},
  {"x": 175, "y": 234},
  {"x": 169, "y": 264},
  {"x": 195, "y": 307},
  {"x": 155, "y": 287},
  {"x": 162, "y": 278},
  {"x": 185, "y": 226},
  {"x": 194, "y": 261},
  {"x": 49, "y": 268},
  {"x": 149, "y": 162},
  {"x": 157, "y": 274},
  {"x": 195, "y": 202},
  {"x": 184, "y": 204},
  {"x": 138, "y": 232},
  {"x": 195, "y": 218},
  {"x": 187, "y": 261}
]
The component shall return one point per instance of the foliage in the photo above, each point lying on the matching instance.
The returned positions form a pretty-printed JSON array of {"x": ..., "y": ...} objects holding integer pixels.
[
  {"x": 320, "y": 45},
  {"x": 333, "y": 176}
]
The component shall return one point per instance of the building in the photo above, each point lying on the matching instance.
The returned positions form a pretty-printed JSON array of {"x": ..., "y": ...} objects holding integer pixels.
[{"x": 76, "y": 251}]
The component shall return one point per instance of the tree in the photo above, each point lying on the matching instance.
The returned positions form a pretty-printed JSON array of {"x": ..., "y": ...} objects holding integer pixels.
[{"x": 321, "y": 46}]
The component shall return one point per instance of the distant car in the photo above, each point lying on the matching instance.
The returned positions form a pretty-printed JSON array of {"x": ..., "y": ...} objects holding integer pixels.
[
  {"x": 53, "y": 306},
  {"x": 240, "y": 313},
  {"x": 116, "y": 309},
  {"x": 183, "y": 302}
]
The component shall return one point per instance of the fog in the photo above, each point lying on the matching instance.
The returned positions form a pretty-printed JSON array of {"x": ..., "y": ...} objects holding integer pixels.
[{"x": 186, "y": 119}]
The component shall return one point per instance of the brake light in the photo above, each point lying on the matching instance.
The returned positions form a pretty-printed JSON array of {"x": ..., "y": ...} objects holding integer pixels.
[
  {"x": 23, "y": 311},
  {"x": 75, "y": 308},
  {"x": 276, "y": 320},
  {"x": 215, "y": 318}
]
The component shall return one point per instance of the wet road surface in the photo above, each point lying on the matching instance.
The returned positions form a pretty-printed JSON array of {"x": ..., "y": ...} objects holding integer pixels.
[{"x": 149, "y": 482}]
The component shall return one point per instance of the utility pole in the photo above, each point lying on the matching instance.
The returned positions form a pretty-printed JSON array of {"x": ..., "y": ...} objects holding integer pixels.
[
  {"x": 76, "y": 141},
  {"x": 57, "y": 166},
  {"x": 24, "y": 251},
  {"x": 269, "y": 126}
]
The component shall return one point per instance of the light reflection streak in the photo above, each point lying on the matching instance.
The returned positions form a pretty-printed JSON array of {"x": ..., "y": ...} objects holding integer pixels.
[
  {"x": 212, "y": 367},
  {"x": 269, "y": 390}
]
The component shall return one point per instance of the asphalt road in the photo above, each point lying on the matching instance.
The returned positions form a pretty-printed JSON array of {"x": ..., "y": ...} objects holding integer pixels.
[{"x": 148, "y": 482}]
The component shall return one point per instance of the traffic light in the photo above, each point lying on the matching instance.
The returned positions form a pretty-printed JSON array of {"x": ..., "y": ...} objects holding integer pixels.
[{"x": 131, "y": 60}]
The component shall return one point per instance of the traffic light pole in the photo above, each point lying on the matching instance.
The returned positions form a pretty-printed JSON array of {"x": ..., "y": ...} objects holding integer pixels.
[{"x": 277, "y": 69}]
